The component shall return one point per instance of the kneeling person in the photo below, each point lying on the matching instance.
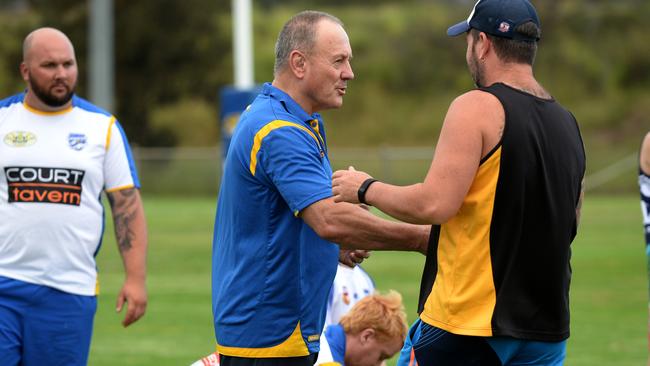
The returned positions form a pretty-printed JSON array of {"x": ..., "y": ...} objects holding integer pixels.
[{"x": 371, "y": 332}]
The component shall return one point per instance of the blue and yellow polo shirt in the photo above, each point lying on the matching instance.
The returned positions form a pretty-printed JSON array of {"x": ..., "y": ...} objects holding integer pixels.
[{"x": 271, "y": 273}]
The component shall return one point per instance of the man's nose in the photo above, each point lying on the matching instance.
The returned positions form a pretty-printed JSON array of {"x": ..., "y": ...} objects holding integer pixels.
[
  {"x": 347, "y": 73},
  {"x": 61, "y": 72}
]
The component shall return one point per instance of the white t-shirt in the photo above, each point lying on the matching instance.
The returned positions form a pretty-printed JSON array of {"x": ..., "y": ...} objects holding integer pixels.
[
  {"x": 350, "y": 285},
  {"x": 53, "y": 169}
]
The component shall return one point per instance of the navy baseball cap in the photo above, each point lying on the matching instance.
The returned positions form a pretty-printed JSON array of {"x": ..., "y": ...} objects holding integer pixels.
[{"x": 498, "y": 18}]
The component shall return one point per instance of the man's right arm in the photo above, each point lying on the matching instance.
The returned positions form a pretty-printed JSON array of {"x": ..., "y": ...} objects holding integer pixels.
[
  {"x": 287, "y": 159},
  {"x": 644, "y": 157},
  {"x": 352, "y": 227}
]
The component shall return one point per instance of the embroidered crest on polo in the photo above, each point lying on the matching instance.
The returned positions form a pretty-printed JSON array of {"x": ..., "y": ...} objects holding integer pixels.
[
  {"x": 77, "y": 141},
  {"x": 20, "y": 139}
]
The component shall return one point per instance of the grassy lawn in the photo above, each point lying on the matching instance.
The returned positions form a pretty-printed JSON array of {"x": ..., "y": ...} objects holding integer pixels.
[{"x": 609, "y": 289}]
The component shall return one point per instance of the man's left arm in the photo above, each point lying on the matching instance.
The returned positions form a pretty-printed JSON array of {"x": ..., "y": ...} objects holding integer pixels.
[
  {"x": 131, "y": 237},
  {"x": 579, "y": 205}
]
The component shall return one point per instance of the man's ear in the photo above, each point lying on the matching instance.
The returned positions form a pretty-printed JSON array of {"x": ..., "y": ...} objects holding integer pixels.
[
  {"x": 484, "y": 47},
  {"x": 298, "y": 63},
  {"x": 366, "y": 336},
  {"x": 23, "y": 71}
]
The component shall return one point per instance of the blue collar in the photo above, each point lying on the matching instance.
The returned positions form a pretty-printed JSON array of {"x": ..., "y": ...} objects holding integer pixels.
[
  {"x": 336, "y": 339},
  {"x": 291, "y": 105}
]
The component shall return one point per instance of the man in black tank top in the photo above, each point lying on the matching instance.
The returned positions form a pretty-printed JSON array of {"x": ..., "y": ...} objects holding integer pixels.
[{"x": 503, "y": 194}]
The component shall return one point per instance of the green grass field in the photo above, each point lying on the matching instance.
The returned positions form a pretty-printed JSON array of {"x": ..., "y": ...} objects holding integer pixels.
[{"x": 608, "y": 294}]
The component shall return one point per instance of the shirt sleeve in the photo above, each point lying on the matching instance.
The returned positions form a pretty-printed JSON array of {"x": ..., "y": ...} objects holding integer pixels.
[
  {"x": 295, "y": 163},
  {"x": 119, "y": 166}
]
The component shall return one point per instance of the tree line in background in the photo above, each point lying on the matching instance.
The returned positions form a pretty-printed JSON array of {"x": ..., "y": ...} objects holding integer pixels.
[{"x": 172, "y": 58}]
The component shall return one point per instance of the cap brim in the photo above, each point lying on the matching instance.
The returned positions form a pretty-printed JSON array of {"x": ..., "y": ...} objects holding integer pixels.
[{"x": 458, "y": 29}]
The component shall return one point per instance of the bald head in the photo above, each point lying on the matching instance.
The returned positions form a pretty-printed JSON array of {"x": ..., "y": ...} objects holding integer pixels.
[
  {"x": 49, "y": 68},
  {"x": 42, "y": 37}
]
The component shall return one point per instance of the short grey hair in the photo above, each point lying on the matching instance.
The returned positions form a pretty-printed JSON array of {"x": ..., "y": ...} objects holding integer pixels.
[{"x": 299, "y": 33}]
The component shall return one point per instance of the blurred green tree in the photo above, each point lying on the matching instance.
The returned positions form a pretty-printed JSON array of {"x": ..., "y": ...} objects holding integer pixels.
[{"x": 594, "y": 57}]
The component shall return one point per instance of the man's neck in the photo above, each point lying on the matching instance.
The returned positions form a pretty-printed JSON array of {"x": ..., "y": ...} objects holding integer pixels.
[
  {"x": 292, "y": 89},
  {"x": 35, "y": 103},
  {"x": 517, "y": 76}
]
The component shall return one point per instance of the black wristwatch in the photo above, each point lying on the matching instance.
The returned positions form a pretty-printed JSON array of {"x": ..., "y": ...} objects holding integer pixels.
[{"x": 361, "y": 193}]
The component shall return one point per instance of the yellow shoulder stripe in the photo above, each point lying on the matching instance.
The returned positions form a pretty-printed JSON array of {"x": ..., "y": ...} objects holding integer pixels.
[
  {"x": 294, "y": 346},
  {"x": 108, "y": 134},
  {"x": 120, "y": 188},
  {"x": 264, "y": 131}
]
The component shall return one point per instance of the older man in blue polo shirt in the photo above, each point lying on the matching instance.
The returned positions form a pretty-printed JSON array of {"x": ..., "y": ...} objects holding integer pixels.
[{"x": 274, "y": 257}]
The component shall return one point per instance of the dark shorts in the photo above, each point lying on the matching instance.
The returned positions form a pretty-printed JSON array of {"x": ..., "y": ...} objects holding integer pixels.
[
  {"x": 43, "y": 326},
  {"x": 287, "y": 361},
  {"x": 439, "y": 347}
]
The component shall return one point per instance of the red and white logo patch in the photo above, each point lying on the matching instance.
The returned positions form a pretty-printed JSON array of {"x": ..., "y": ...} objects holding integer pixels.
[{"x": 504, "y": 27}]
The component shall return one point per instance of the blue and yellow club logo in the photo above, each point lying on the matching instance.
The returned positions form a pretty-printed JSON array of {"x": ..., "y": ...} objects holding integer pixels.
[{"x": 20, "y": 139}]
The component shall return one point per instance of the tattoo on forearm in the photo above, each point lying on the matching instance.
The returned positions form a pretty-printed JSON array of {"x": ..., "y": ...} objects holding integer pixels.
[
  {"x": 123, "y": 205},
  {"x": 123, "y": 233}
]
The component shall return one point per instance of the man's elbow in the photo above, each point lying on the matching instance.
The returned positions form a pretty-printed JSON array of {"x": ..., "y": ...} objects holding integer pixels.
[
  {"x": 330, "y": 232},
  {"x": 332, "y": 225},
  {"x": 433, "y": 214}
]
